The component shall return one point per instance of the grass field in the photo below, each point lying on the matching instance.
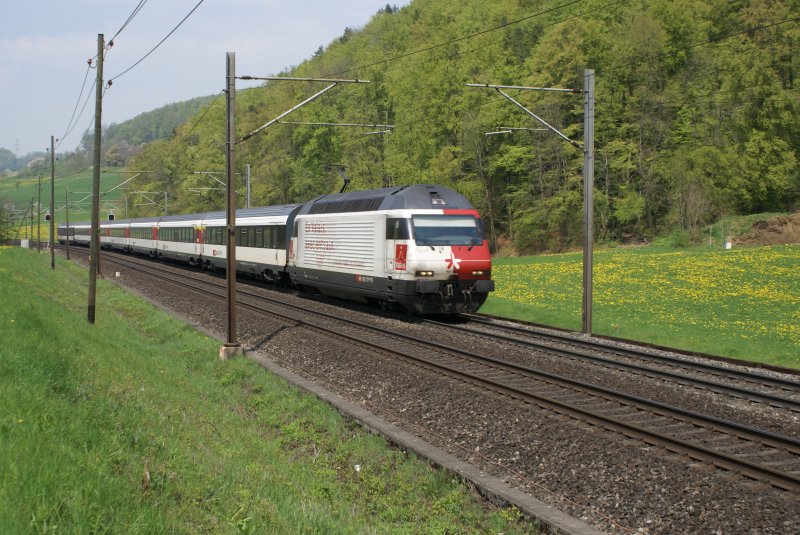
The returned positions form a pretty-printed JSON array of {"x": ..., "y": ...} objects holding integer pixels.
[
  {"x": 22, "y": 190},
  {"x": 742, "y": 303},
  {"x": 86, "y": 411}
]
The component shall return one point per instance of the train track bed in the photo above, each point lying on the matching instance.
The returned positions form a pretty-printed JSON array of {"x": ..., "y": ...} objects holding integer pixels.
[
  {"x": 614, "y": 479},
  {"x": 760, "y": 398}
]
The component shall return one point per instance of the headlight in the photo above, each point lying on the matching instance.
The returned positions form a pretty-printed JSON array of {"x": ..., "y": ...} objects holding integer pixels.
[
  {"x": 424, "y": 273},
  {"x": 480, "y": 273}
]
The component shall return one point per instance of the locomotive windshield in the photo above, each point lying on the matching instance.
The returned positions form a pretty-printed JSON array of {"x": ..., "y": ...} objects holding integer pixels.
[{"x": 447, "y": 230}]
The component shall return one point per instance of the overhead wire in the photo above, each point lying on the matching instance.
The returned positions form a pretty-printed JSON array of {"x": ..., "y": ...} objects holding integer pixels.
[
  {"x": 133, "y": 14},
  {"x": 713, "y": 40},
  {"x": 70, "y": 125},
  {"x": 462, "y": 38},
  {"x": 494, "y": 43},
  {"x": 111, "y": 80},
  {"x": 91, "y": 123},
  {"x": 208, "y": 108},
  {"x": 73, "y": 119},
  {"x": 85, "y": 102}
]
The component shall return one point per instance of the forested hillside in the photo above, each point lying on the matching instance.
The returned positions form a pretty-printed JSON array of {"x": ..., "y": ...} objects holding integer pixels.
[
  {"x": 696, "y": 115},
  {"x": 149, "y": 126}
]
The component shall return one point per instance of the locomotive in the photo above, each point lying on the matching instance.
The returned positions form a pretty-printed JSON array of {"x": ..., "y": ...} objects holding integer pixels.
[{"x": 420, "y": 248}]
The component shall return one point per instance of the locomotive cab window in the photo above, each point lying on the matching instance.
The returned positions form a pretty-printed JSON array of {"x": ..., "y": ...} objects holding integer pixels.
[
  {"x": 447, "y": 230},
  {"x": 397, "y": 229}
]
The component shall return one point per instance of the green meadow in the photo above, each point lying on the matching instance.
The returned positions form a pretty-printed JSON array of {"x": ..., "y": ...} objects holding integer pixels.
[
  {"x": 742, "y": 303},
  {"x": 21, "y": 190},
  {"x": 133, "y": 425}
]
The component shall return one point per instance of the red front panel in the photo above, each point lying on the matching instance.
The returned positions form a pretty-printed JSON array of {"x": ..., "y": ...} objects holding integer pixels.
[
  {"x": 465, "y": 259},
  {"x": 400, "y": 256}
]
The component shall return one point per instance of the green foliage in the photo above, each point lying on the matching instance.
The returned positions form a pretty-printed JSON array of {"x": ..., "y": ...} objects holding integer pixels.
[{"x": 696, "y": 115}]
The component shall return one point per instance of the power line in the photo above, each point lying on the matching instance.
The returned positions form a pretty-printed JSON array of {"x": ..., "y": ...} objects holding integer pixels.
[
  {"x": 494, "y": 43},
  {"x": 462, "y": 38},
  {"x": 713, "y": 40},
  {"x": 70, "y": 125},
  {"x": 159, "y": 43},
  {"x": 211, "y": 105},
  {"x": 85, "y": 102},
  {"x": 133, "y": 14},
  {"x": 86, "y": 132}
]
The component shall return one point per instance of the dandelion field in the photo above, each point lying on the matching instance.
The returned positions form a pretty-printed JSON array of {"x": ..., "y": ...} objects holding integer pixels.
[{"x": 742, "y": 303}]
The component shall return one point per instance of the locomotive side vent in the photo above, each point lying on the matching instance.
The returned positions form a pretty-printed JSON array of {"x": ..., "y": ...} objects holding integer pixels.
[{"x": 352, "y": 205}]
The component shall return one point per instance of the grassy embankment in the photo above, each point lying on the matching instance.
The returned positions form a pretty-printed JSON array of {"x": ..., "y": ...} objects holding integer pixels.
[
  {"x": 742, "y": 303},
  {"x": 86, "y": 410}
]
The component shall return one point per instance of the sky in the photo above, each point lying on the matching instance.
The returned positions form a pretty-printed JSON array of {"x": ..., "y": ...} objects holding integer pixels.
[{"x": 45, "y": 45}]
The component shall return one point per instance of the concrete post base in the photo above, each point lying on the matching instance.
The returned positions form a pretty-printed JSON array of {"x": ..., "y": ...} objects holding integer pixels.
[{"x": 229, "y": 351}]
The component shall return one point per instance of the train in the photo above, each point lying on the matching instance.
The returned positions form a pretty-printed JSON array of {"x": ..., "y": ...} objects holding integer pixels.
[{"x": 419, "y": 248}]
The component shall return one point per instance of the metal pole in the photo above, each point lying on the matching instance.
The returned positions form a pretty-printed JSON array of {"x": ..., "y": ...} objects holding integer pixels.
[
  {"x": 165, "y": 203},
  {"x": 231, "y": 346},
  {"x": 52, "y": 203},
  {"x": 588, "y": 196},
  {"x": 94, "y": 260},
  {"x": 247, "y": 187},
  {"x": 39, "y": 217},
  {"x": 66, "y": 210}
]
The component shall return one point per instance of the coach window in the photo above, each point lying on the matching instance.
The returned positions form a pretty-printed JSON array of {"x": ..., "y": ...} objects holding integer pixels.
[
  {"x": 267, "y": 237},
  {"x": 279, "y": 234}
]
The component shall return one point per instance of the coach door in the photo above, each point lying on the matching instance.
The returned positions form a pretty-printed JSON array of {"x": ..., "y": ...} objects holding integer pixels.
[{"x": 198, "y": 242}]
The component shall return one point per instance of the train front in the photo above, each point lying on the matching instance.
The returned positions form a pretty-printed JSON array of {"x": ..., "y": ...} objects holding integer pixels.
[{"x": 448, "y": 256}]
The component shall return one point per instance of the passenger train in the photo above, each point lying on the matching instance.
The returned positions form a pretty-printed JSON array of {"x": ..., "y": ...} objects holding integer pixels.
[{"x": 420, "y": 248}]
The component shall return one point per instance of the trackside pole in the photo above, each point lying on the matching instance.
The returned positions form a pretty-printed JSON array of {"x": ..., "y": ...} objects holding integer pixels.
[
  {"x": 588, "y": 172},
  {"x": 231, "y": 348},
  {"x": 588, "y": 196},
  {"x": 52, "y": 203},
  {"x": 94, "y": 258}
]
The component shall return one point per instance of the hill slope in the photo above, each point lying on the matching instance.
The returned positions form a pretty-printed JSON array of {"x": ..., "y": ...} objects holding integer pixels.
[{"x": 695, "y": 116}]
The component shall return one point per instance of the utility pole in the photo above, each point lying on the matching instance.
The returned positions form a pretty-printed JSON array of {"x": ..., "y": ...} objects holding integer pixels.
[
  {"x": 231, "y": 347},
  {"x": 247, "y": 188},
  {"x": 588, "y": 196},
  {"x": 66, "y": 210},
  {"x": 39, "y": 217},
  {"x": 94, "y": 260},
  {"x": 52, "y": 203},
  {"x": 588, "y": 174}
]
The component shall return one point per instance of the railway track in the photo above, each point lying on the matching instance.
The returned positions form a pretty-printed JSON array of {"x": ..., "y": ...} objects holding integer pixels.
[
  {"x": 753, "y": 453},
  {"x": 774, "y": 391}
]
